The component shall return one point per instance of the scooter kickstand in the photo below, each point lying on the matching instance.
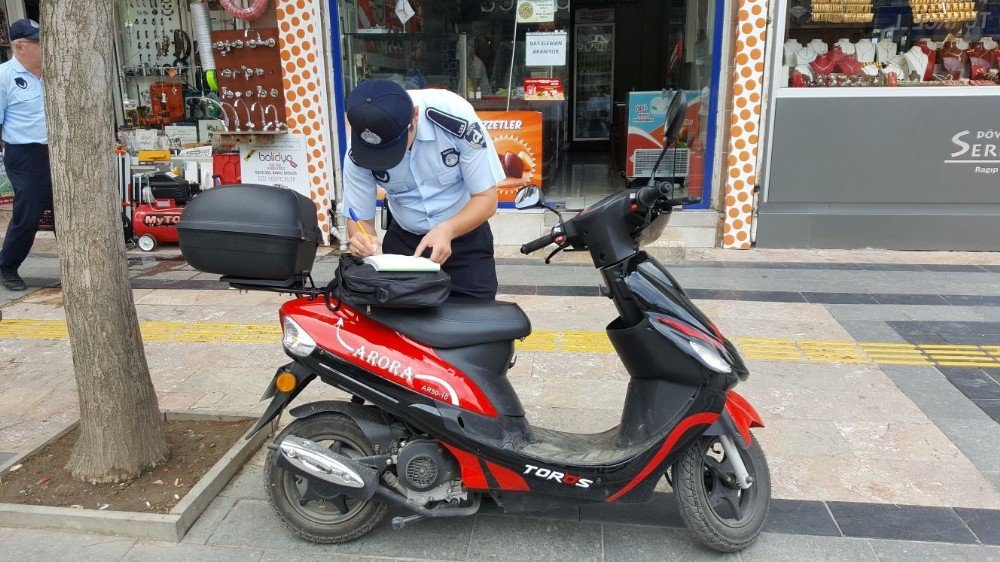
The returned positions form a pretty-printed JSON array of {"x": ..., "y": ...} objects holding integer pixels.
[{"x": 400, "y": 522}]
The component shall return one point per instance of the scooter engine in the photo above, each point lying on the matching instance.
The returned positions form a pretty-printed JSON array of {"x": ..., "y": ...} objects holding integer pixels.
[
  {"x": 428, "y": 473},
  {"x": 422, "y": 466}
]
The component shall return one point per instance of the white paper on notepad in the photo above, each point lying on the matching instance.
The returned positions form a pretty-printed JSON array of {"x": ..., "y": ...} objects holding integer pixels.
[{"x": 399, "y": 262}]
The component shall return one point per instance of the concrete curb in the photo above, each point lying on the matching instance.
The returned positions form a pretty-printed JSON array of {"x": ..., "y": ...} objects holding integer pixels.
[{"x": 170, "y": 527}]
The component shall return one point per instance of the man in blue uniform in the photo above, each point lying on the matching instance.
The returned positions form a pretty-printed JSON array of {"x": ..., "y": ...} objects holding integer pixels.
[
  {"x": 434, "y": 158},
  {"x": 26, "y": 150}
]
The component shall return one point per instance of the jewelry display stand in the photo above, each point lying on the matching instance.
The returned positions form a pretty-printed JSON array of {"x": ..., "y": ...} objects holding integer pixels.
[{"x": 865, "y": 51}]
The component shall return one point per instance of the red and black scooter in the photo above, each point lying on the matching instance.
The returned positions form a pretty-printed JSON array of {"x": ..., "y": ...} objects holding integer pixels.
[{"x": 434, "y": 424}]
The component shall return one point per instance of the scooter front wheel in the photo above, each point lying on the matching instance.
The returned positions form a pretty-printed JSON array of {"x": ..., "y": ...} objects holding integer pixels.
[
  {"x": 723, "y": 516},
  {"x": 316, "y": 514}
]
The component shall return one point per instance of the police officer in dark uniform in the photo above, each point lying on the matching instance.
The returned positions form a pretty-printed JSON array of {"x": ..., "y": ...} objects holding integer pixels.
[
  {"x": 26, "y": 150},
  {"x": 434, "y": 158}
]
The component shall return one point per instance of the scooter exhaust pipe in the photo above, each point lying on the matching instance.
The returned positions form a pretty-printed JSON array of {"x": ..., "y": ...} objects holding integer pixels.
[
  {"x": 306, "y": 458},
  {"x": 310, "y": 460}
]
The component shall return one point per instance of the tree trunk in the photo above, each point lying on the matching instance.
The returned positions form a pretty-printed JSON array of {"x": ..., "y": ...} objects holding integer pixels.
[{"x": 120, "y": 422}]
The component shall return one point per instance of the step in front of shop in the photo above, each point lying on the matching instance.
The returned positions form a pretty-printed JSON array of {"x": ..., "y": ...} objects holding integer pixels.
[{"x": 689, "y": 229}]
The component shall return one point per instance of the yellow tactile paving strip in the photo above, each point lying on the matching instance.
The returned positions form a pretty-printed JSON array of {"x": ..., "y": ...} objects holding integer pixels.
[
  {"x": 945, "y": 355},
  {"x": 768, "y": 349},
  {"x": 203, "y": 332}
]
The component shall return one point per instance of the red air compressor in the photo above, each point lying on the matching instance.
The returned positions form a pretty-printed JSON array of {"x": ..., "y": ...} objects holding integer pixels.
[
  {"x": 158, "y": 210},
  {"x": 156, "y": 223}
]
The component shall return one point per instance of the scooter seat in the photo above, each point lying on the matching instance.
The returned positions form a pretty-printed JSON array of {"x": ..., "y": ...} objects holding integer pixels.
[{"x": 456, "y": 324}]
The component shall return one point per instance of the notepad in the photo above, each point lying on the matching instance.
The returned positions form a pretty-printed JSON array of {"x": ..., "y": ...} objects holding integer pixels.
[{"x": 399, "y": 262}]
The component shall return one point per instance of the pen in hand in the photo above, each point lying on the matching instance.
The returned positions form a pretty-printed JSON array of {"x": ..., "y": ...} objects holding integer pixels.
[{"x": 361, "y": 225}]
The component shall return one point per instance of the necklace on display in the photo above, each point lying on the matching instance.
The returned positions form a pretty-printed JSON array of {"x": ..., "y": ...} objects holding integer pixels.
[
  {"x": 819, "y": 46},
  {"x": 822, "y": 65},
  {"x": 916, "y": 62},
  {"x": 847, "y": 48},
  {"x": 865, "y": 51},
  {"x": 885, "y": 50},
  {"x": 953, "y": 60},
  {"x": 792, "y": 47},
  {"x": 804, "y": 56}
]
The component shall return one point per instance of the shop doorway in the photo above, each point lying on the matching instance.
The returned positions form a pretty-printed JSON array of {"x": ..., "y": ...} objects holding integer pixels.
[
  {"x": 601, "y": 110},
  {"x": 625, "y": 53}
]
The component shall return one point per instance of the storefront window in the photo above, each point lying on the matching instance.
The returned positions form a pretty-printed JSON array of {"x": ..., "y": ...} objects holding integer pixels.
[
  {"x": 415, "y": 61},
  {"x": 573, "y": 103},
  {"x": 871, "y": 43},
  {"x": 464, "y": 47}
]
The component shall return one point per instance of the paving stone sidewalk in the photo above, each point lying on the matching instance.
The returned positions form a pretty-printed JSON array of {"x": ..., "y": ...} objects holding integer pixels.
[
  {"x": 240, "y": 526},
  {"x": 849, "y": 444}
]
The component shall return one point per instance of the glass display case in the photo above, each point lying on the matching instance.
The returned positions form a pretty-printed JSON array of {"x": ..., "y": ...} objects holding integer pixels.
[
  {"x": 879, "y": 125},
  {"x": 415, "y": 61},
  {"x": 865, "y": 43},
  {"x": 594, "y": 83}
]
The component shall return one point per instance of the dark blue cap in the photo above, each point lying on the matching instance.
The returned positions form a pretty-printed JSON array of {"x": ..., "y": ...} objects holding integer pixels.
[
  {"x": 379, "y": 112},
  {"x": 24, "y": 29}
]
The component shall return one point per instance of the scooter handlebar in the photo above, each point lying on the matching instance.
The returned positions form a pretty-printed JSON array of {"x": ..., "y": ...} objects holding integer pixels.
[
  {"x": 538, "y": 244},
  {"x": 659, "y": 196}
]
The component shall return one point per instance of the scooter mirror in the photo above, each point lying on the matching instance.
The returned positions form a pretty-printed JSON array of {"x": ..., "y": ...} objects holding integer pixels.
[
  {"x": 527, "y": 197},
  {"x": 675, "y": 117}
]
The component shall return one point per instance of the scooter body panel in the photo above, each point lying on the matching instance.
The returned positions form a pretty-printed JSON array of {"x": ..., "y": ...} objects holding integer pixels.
[
  {"x": 489, "y": 458},
  {"x": 385, "y": 353}
]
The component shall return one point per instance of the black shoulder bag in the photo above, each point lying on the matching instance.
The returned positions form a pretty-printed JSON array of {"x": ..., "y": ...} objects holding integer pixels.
[{"x": 360, "y": 284}]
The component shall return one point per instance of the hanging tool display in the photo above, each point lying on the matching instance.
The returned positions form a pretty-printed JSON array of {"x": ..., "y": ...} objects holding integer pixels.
[
  {"x": 250, "y": 85},
  {"x": 149, "y": 32},
  {"x": 182, "y": 48}
]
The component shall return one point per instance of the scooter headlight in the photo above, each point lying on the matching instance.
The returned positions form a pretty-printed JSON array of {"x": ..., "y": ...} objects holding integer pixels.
[
  {"x": 710, "y": 357},
  {"x": 296, "y": 340}
]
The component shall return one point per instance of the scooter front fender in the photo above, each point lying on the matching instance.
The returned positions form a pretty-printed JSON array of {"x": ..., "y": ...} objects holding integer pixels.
[{"x": 736, "y": 420}]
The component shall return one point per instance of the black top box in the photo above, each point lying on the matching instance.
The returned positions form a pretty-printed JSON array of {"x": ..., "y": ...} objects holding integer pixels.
[{"x": 250, "y": 232}]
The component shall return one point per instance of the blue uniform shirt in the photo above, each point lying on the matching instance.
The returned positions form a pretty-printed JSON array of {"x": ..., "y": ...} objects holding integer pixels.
[
  {"x": 451, "y": 159},
  {"x": 22, "y": 107}
]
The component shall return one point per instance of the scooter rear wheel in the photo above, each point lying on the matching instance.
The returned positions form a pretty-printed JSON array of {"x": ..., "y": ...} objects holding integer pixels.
[
  {"x": 334, "y": 520},
  {"x": 724, "y": 517}
]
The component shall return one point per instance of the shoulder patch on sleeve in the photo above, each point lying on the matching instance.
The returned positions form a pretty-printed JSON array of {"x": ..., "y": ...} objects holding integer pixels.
[
  {"x": 475, "y": 136},
  {"x": 454, "y": 125},
  {"x": 450, "y": 157}
]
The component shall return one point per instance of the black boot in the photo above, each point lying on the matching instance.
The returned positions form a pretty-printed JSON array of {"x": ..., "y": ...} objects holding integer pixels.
[{"x": 11, "y": 280}]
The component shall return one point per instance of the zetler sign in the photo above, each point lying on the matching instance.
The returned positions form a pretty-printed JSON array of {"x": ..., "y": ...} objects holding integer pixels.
[{"x": 517, "y": 138}]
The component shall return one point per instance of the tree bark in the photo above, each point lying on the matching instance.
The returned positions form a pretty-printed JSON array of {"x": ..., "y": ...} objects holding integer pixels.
[{"x": 120, "y": 422}]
